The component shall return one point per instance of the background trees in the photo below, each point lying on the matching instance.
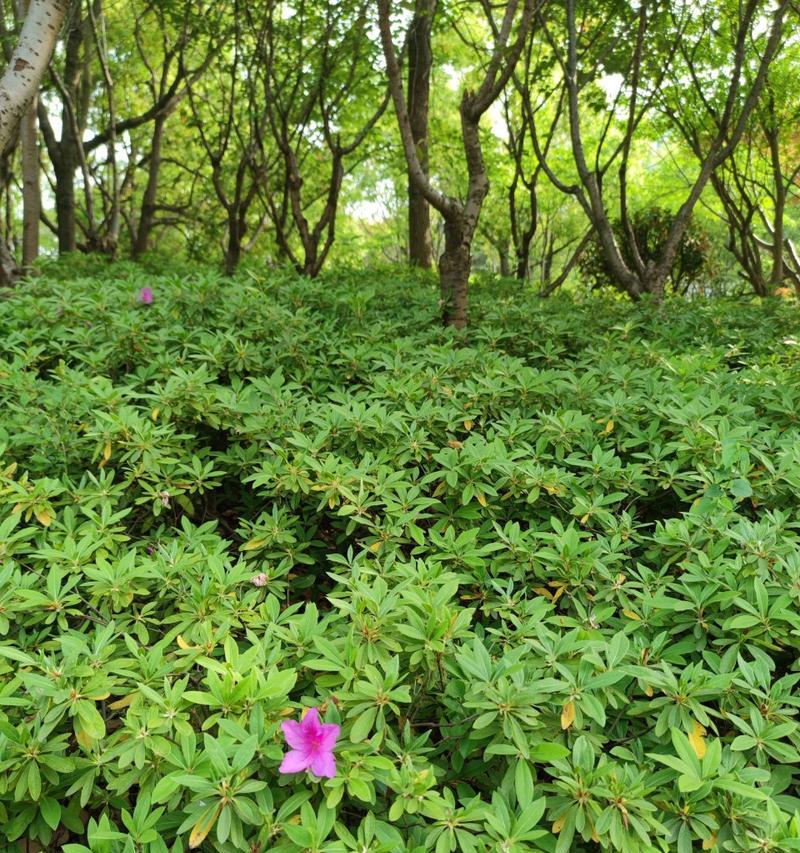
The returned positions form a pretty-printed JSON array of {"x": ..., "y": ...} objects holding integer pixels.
[{"x": 520, "y": 134}]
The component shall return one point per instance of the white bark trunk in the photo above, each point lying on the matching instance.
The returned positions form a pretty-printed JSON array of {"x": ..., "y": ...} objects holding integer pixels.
[{"x": 20, "y": 81}]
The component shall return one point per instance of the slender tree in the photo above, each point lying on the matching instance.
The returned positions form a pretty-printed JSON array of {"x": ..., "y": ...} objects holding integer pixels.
[
  {"x": 420, "y": 63},
  {"x": 318, "y": 72},
  {"x": 651, "y": 46},
  {"x": 225, "y": 119},
  {"x": 31, "y": 168},
  {"x": 168, "y": 77},
  {"x": 758, "y": 184},
  {"x": 461, "y": 216}
]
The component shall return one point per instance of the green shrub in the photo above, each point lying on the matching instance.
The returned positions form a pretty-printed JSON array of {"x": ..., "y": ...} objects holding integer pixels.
[
  {"x": 650, "y": 228},
  {"x": 546, "y": 582}
]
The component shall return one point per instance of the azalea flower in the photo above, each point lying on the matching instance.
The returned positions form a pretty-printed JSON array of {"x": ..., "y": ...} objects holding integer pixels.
[
  {"x": 259, "y": 580},
  {"x": 311, "y": 745},
  {"x": 146, "y": 296}
]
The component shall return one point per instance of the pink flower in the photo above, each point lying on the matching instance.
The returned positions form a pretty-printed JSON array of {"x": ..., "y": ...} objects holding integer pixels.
[
  {"x": 259, "y": 580},
  {"x": 312, "y": 744},
  {"x": 146, "y": 296}
]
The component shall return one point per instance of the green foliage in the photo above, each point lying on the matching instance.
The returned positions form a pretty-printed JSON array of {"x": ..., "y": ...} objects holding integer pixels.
[
  {"x": 547, "y": 581},
  {"x": 650, "y": 228}
]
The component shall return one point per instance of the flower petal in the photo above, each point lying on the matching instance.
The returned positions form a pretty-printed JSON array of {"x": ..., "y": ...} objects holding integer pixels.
[
  {"x": 329, "y": 735},
  {"x": 323, "y": 764},
  {"x": 295, "y": 762},
  {"x": 310, "y": 721},
  {"x": 294, "y": 734}
]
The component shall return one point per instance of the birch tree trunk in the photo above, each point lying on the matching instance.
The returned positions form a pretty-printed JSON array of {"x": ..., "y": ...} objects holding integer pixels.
[{"x": 20, "y": 81}]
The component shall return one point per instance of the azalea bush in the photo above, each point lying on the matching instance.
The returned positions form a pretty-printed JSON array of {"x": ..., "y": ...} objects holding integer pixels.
[{"x": 284, "y": 566}]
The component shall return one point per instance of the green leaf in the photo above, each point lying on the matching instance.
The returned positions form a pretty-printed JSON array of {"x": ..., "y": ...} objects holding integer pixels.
[
  {"x": 741, "y": 489},
  {"x": 50, "y": 811},
  {"x": 363, "y": 725}
]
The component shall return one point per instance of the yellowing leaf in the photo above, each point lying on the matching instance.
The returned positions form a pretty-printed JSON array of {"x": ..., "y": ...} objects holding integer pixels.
[
  {"x": 375, "y": 547},
  {"x": 44, "y": 516},
  {"x": 609, "y": 428},
  {"x": 710, "y": 843},
  {"x": 648, "y": 690},
  {"x": 567, "y": 715},
  {"x": 631, "y": 615},
  {"x": 697, "y": 739},
  {"x": 253, "y": 544},
  {"x": 203, "y": 826},
  {"x": 83, "y": 738},
  {"x": 100, "y": 696},
  {"x": 595, "y": 836},
  {"x": 481, "y": 498},
  {"x": 122, "y": 703},
  {"x": 182, "y": 644},
  {"x": 468, "y": 425},
  {"x": 154, "y": 413},
  {"x": 558, "y": 824},
  {"x": 17, "y": 508},
  {"x": 107, "y": 451},
  {"x": 585, "y": 518},
  {"x": 542, "y": 591}
]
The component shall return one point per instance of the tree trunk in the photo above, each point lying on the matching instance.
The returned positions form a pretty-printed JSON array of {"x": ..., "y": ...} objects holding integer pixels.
[
  {"x": 31, "y": 195},
  {"x": 521, "y": 268},
  {"x": 655, "y": 277},
  {"x": 233, "y": 251},
  {"x": 8, "y": 266},
  {"x": 310, "y": 268},
  {"x": 148, "y": 211},
  {"x": 20, "y": 81},
  {"x": 505, "y": 262},
  {"x": 454, "y": 268},
  {"x": 64, "y": 170},
  {"x": 420, "y": 61},
  {"x": 778, "y": 271},
  {"x": 65, "y": 155},
  {"x": 523, "y": 253}
]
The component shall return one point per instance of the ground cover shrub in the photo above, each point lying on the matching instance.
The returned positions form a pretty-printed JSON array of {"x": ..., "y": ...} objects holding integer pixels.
[{"x": 545, "y": 581}]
